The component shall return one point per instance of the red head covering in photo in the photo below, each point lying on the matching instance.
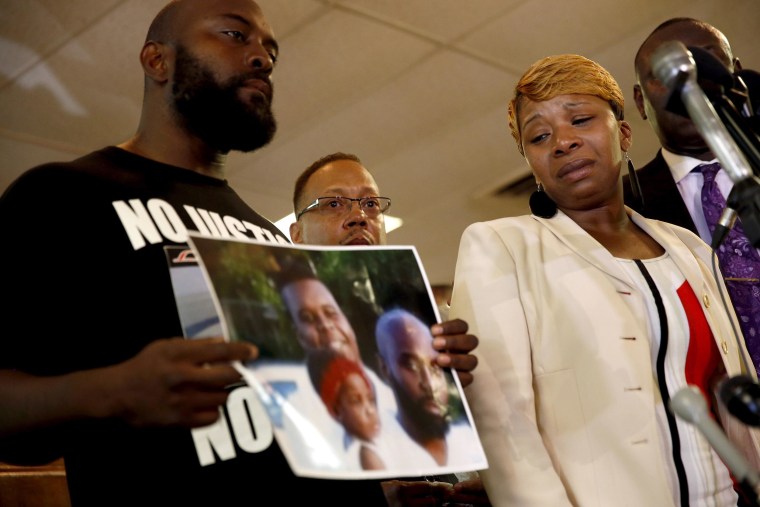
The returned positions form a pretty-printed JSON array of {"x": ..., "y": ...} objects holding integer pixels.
[{"x": 336, "y": 372}]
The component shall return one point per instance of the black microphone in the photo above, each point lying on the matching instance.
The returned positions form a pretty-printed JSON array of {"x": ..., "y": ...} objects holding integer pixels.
[
  {"x": 751, "y": 80},
  {"x": 674, "y": 66},
  {"x": 730, "y": 97},
  {"x": 741, "y": 396},
  {"x": 740, "y": 393},
  {"x": 689, "y": 404},
  {"x": 713, "y": 77}
]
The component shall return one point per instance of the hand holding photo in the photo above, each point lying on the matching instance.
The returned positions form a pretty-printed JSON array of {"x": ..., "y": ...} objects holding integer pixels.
[{"x": 346, "y": 367}]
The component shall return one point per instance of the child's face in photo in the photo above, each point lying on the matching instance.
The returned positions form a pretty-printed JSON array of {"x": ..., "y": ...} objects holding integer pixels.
[{"x": 357, "y": 408}]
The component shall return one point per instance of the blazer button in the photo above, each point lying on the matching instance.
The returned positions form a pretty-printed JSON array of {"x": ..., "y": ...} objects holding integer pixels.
[{"x": 706, "y": 300}]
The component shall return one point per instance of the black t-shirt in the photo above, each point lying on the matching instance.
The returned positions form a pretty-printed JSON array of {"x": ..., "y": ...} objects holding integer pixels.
[{"x": 87, "y": 285}]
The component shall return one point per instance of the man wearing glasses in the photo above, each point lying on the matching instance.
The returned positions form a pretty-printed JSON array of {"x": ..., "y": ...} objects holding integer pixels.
[{"x": 337, "y": 202}]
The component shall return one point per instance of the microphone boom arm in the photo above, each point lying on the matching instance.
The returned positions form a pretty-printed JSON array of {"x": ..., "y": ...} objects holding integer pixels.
[
  {"x": 674, "y": 66},
  {"x": 713, "y": 131},
  {"x": 689, "y": 404}
]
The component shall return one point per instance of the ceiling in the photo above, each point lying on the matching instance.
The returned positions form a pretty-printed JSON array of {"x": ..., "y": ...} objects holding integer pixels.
[{"x": 416, "y": 88}]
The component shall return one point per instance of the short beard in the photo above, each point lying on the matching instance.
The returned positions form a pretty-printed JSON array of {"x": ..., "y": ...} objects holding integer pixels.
[
  {"x": 213, "y": 112},
  {"x": 427, "y": 426}
]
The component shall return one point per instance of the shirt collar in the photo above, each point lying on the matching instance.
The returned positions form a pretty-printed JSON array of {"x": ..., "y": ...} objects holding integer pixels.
[{"x": 681, "y": 165}]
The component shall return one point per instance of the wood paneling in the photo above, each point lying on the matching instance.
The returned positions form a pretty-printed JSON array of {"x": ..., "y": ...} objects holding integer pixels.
[{"x": 34, "y": 486}]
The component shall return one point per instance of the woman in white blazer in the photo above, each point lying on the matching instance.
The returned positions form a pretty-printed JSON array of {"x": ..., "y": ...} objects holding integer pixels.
[{"x": 591, "y": 317}]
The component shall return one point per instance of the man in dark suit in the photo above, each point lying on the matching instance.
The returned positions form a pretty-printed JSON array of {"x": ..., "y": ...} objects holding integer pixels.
[
  {"x": 660, "y": 180},
  {"x": 663, "y": 200},
  {"x": 670, "y": 184}
]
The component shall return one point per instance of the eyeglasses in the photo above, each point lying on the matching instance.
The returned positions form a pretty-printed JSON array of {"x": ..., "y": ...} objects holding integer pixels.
[{"x": 339, "y": 205}]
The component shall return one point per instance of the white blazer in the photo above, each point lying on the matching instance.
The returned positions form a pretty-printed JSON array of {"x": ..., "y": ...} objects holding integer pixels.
[{"x": 564, "y": 392}]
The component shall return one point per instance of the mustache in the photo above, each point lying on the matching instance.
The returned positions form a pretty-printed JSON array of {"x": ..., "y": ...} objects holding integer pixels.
[
  {"x": 444, "y": 408},
  {"x": 258, "y": 75}
]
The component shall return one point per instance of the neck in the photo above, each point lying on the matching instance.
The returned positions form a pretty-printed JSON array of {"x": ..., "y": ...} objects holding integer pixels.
[
  {"x": 608, "y": 217},
  {"x": 619, "y": 235},
  {"x": 431, "y": 437},
  {"x": 185, "y": 152},
  {"x": 702, "y": 153}
]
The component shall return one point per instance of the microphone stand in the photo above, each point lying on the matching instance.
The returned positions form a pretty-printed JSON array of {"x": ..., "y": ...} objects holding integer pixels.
[
  {"x": 738, "y": 126},
  {"x": 690, "y": 405},
  {"x": 673, "y": 65},
  {"x": 746, "y": 187}
]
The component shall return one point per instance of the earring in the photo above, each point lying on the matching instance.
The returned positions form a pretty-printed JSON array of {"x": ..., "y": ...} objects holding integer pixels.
[
  {"x": 633, "y": 179},
  {"x": 541, "y": 204}
]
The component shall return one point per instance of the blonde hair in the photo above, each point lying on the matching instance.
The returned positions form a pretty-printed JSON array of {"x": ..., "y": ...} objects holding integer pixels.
[{"x": 563, "y": 75}]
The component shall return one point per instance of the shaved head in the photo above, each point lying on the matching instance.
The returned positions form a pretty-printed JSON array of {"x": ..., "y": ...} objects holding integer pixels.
[{"x": 676, "y": 132}]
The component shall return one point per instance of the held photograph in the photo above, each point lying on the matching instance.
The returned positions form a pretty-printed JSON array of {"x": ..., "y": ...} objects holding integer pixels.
[{"x": 346, "y": 368}]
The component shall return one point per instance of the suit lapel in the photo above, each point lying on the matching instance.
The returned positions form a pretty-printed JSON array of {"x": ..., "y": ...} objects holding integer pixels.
[
  {"x": 584, "y": 245},
  {"x": 662, "y": 200}
]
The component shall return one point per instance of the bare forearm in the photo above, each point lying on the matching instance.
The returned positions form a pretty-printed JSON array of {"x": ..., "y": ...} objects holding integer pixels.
[
  {"x": 34, "y": 412},
  {"x": 31, "y": 403},
  {"x": 172, "y": 382}
]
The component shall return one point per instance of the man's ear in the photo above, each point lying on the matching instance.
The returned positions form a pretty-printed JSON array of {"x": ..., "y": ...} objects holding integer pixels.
[
  {"x": 638, "y": 98},
  {"x": 295, "y": 233},
  {"x": 154, "y": 58},
  {"x": 737, "y": 65}
]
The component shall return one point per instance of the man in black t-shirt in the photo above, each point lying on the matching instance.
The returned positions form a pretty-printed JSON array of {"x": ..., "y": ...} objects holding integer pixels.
[{"x": 93, "y": 366}]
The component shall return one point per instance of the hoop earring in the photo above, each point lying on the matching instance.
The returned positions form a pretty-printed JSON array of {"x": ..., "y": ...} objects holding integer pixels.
[
  {"x": 633, "y": 179},
  {"x": 541, "y": 204}
]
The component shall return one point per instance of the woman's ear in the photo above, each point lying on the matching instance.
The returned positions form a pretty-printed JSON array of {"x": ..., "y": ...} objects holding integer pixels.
[{"x": 626, "y": 135}]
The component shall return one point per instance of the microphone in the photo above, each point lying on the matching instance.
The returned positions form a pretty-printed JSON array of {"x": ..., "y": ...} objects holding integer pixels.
[
  {"x": 740, "y": 393},
  {"x": 689, "y": 404},
  {"x": 742, "y": 87},
  {"x": 741, "y": 396},
  {"x": 751, "y": 80},
  {"x": 725, "y": 222},
  {"x": 716, "y": 79},
  {"x": 724, "y": 225},
  {"x": 674, "y": 66},
  {"x": 729, "y": 94}
]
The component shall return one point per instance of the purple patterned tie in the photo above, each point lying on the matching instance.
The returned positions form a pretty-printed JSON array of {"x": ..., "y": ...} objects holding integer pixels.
[{"x": 739, "y": 264}]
